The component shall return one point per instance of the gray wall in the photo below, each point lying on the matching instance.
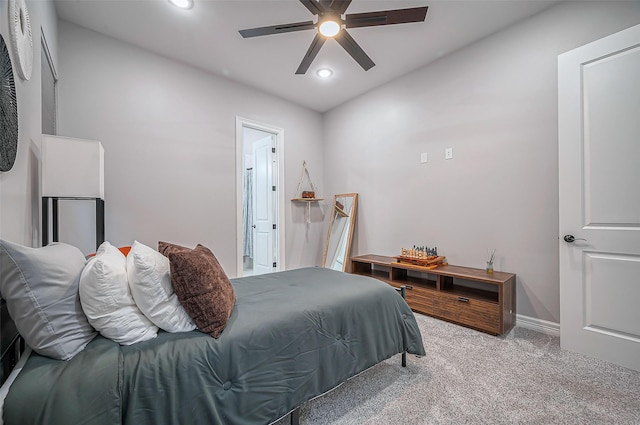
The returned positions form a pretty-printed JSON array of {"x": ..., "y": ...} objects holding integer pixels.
[
  {"x": 168, "y": 131},
  {"x": 495, "y": 104},
  {"x": 20, "y": 187}
]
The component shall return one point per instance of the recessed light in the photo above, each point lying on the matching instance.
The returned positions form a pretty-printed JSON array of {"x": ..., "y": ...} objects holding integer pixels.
[
  {"x": 182, "y": 4},
  {"x": 324, "y": 73}
]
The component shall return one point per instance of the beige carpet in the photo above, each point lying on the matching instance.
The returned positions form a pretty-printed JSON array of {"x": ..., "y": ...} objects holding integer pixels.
[{"x": 468, "y": 377}]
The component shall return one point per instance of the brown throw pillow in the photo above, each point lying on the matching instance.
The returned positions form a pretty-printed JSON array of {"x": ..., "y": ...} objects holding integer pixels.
[
  {"x": 202, "y": 286},
  {"x": 166, "y": 248}
]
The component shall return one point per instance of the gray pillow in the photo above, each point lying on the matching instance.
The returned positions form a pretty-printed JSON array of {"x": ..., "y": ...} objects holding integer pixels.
[{"x": 40, "y": 286}]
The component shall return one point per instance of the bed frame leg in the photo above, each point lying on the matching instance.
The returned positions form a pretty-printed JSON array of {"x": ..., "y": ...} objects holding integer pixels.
[
  {"x": 403, "y": 293},
  {"x": 295, "y": 416}
]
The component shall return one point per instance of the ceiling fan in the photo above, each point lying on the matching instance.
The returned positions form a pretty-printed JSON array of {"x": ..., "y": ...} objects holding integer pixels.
[{"x": 332, "y": 24}]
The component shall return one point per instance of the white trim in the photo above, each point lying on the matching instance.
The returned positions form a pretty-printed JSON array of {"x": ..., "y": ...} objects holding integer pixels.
[
  {"x": 539, "y": 325},
  {"x": 45, "y": 47},
  {"x": 47, "y": 52},
  {"x": 280, "y": 205}
]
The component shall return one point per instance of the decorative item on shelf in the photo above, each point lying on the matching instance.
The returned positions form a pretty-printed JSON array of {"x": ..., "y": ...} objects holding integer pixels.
[
  {"x": 21, "y": 41},
  {"x": 8, "y": 111},
  {"x": 490, "y": 260},
  {"x": 307, "y": 195},
  {"x": 421, "y": 256},
  {"x": 340, "y": 209},
  {"x": 72, "y": 169}
]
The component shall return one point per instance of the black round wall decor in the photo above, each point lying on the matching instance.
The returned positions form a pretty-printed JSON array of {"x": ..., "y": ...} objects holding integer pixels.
[{"x": 8, "y": 111}]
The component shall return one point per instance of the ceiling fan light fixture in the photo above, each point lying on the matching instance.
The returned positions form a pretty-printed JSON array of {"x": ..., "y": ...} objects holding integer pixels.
[
  {"x": 324, "y": 73},
  {"x": 182, "y": 4},
  {"x": 329, "y": 28},
  {"x": 332, "y": 22}
]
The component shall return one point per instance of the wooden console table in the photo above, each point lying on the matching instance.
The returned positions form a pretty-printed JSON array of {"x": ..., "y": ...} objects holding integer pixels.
[{"x": 463, "y": 295}]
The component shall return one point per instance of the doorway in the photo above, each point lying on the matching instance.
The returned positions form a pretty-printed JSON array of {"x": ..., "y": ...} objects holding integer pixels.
[{"x": 260, "y": 206}]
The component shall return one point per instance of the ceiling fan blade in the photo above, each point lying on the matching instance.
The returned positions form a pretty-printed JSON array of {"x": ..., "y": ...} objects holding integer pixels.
[
  {"x": 349, "y": 44},
  {"x": 277, "y": 29},
  {"x": 386, "y": 17},
  {"x": 340, "y": 6},
  {"x": 314, "y": 7},
  {"x": 311, "y": 54}
]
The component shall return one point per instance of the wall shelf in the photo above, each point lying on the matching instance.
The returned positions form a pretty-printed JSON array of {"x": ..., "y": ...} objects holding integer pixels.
[
  {"x": 307, "y": 199},
  {"x": 299, "y": 191}
]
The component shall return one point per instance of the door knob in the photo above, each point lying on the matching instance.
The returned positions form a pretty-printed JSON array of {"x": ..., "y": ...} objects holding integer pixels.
[{"x": 571, "y": 239}]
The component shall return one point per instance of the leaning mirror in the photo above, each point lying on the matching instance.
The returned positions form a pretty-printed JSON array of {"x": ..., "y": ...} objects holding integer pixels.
[{"x": 343, "y": 218}]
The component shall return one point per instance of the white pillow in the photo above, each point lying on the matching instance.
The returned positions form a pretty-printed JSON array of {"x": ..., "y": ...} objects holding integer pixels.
[
  {"x": 150, "y": 285},
  {"x": 107, "y": 302},
  {"x": 40, "y": 286}
]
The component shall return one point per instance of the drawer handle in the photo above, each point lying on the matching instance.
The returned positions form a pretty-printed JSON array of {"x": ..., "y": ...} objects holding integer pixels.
[{"x": 463, "y": 299}]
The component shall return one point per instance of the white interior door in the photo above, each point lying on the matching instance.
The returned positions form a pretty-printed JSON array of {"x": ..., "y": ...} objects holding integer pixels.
[
  {"x": 599, "y": 187},
  {"x": 247, "y": 133},
  {"x": 263, "y": 207}
]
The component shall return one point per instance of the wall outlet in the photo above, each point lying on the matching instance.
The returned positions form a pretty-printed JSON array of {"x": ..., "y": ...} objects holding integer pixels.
[
  {"x": 448, "y": 153},
  {"x": 423, "y": 157}
]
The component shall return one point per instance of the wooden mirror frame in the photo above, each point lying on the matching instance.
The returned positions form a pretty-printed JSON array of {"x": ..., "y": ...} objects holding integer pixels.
[{"x": 335, "y": 212}]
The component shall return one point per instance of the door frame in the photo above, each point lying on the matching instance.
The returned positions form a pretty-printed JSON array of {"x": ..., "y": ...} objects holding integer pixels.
[
  {"x": 279, "y": 240},
  {"x": 44, "y": 47}
]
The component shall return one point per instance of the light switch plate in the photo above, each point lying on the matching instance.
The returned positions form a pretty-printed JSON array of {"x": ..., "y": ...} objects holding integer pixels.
[
  {"x": 448, "y": 153},
  {"x": 423, "y": 157}
]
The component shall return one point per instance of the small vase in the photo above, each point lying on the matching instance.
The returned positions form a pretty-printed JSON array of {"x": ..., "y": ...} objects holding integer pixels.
[{"x": 489, "y": 267}]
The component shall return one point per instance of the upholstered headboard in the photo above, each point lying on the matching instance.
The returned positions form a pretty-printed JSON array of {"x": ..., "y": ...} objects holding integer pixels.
[{"x": 11, "y": 343}]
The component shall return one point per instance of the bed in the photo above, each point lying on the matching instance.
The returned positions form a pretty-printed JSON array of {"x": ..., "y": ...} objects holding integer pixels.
[{"x": 292, "y": 336}]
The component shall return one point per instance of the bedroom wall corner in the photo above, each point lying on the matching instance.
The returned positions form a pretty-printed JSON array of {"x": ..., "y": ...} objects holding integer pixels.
[
  {"x": 20, "y": 186},
  {"x": 494, "y": 103},
  {"x": 168, "y": 131}
]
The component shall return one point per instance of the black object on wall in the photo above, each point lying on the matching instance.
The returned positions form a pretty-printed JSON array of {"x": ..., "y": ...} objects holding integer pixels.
[
  {"x": 54, "y": 213},
  {"x": 8, "y": 111}
]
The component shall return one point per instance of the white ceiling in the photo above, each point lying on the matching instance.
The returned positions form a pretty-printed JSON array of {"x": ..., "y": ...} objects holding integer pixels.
[{"x": 206, "y": 37}]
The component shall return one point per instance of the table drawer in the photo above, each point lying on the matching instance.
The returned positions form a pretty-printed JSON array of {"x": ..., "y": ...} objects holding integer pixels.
[
  {"x": 479, "y": 314},
  {"x": 418, "y": 298}
]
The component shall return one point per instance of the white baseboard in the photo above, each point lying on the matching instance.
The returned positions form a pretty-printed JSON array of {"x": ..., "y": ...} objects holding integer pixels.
[{"x": 539, "y": 325}]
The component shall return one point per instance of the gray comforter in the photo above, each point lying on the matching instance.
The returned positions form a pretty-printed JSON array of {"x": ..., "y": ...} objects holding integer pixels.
[{"x": 292, "y": 336}]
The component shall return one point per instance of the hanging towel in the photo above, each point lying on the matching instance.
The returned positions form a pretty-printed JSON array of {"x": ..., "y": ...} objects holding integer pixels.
[{"x": 247, "y": 213}]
